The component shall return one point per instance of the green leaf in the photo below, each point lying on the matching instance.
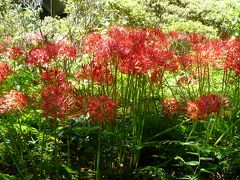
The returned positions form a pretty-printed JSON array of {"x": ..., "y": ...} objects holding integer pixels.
[
  {"x": 7, "y": 177},
  {"x": 192, "y": 163},
  {"x": 193, "y": 153},
  {"x": 205, "y": 170},
  {"x": 205, "y": 158}
]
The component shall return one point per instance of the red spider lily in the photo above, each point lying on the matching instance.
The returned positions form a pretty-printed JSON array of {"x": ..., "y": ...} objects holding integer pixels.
[
  {"x": 97, "y": 44},
  {"x": 102, "y": 108},
  {"x": 186, "y": 61},
  {"x": 52, "y": 49},
  {"x": 194, "y": 111},
  {"x": 38, "y": 57},
  {"x": 4, "y": 71},
  {"x": 96, "y": 72},
  {"x": 13, "y": 100},
  {"x": 121, "y": 42},
  {"x": 90, "y": 42},
  {"x": 156, "y": 37},
  {"x": 196, "y": 39},
  {"x": 60, "y": 101},
  {"x": 137, "y": 50},
  {"x": 67, "y": 51},
  {"x": 211, "y": 103},
  {"x": 135, "y": 64},
  {"x": 172, "y": 65},
  {"x": 55, "y": 50},
  {"x": 54, "y": 76},
  {"x": 170, "y": 107},
  {"x": 14, "y": 53},
  {"x": 58, "y": 97},
  {"x": 204, "y": 106},
  {"x": 233, "y": 56},
  {"x": 158, "y": 58},
  {"x": 156, "y": 76},
  {"x": 211, "y": 52}
]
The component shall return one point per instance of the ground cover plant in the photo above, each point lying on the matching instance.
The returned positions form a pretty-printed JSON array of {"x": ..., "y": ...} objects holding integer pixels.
[{"x": 116, "y": 103}]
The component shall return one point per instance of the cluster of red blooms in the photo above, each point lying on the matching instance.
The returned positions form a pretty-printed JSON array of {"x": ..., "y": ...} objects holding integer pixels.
[
  {"x": 4, "y": 71},
  {"x": 137, "y": 51},
  {"x": 38, "y": 57},
  {"x": 13, "y": 100},
  {"x": 102, "y": 108},
  {"x": 196, "y": 109},
  {"x": 14, "y": 53},
  {"x": 58, "y": 97},
  {"x": 204, "y": 106},
  {"x": 171, "y": 106},
  {"x": 96, "y": 72},
  {"x": 233, "y": 56},
  {"x": 62, "y": 49},
  {"x": 146, "y": 51},
  {"x": 41, "y": 56},
  {"x": 59, "y": 100}
]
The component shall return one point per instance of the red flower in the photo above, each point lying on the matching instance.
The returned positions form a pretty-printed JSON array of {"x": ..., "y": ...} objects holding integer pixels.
[
  {"x": 96, "y": 72},
  {"x": 102, "y": 108},
  {"x": 196, "y": 39},
  {"x": 137, "y": 51},
  {"x": 58, "y": 97},
  {"x": 204, "y": 106},
  {"x": 52, "y": 49},
  {"x": 14, "y": 53},
  {"x": 60, "y": 101},
  {"x": 67, "y": 51},
  {"x": 186, "y": 61},
  {"x": 4, "y": 71},
  {"x": 233, "y": 56},
  {"x": 157, "y": 76},
  {"x": 97, "y": 45},
  {"x": 13, "y": 100},
  {"x": 90, "y": 42},
  {"x": 194, "y": 111},
  {"x": 38, "y": 57},
  {"x": 211, "y": 52},
  {"x": 135, "y": 64},
  {"x": 170, "y": 107},
  {"x": 210, "y": 103},
  {"x": 54, "y": 76}
]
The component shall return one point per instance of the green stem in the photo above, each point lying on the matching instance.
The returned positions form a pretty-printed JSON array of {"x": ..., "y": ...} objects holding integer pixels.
[
  {"x": 42, "y": 150},
  {"x": 220, "y": 138},
  {"x": 211, "y": 130},
  {"x": 68, "y": 151},
  {"x": 193, "y": 129},
  {"x": 98, "y": 174},
  {"x": 21, "y": 137},
  {"x": 208, "y": 79},
  {"x": 13, "y": 159},
  {"x": 163, "y": 132}
]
